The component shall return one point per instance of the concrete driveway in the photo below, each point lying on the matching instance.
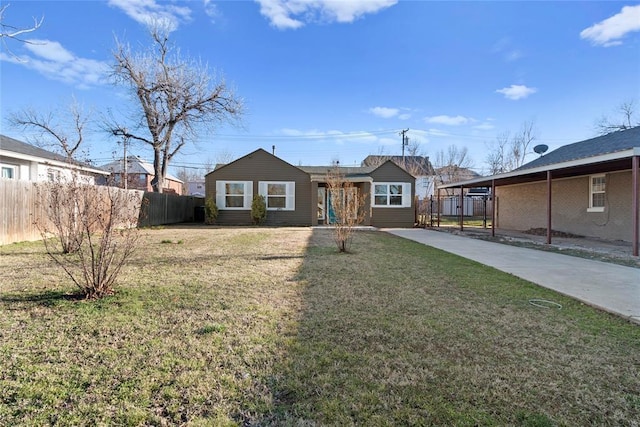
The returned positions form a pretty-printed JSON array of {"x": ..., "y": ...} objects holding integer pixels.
[{"x": 610, "y": 287}]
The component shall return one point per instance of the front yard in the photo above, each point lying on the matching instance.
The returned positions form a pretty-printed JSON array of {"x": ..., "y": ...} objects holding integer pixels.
[{"x": 271, "y": 326}]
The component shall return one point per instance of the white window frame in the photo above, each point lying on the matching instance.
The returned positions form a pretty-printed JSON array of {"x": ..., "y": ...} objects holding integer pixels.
[
  {"x": 221, "y": 195},
  {"x": 405, "y": 194},
  {"x": 13, "y": 168},
  {"x": 594, "y": 190},
  {"x": 290, "y": 194}
]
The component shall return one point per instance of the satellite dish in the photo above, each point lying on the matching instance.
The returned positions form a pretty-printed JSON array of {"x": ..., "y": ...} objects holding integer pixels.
[{"x": 541, "y": 149}]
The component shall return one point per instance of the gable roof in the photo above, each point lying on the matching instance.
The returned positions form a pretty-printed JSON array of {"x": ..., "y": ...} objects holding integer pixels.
[
  {"x": 11, "y": 147},
  {"x": 135, "y": 165},
  {"x": 258, "y": 151},
  {"x": 611, "y": 143},
  {"x": 420, "y": 163}
]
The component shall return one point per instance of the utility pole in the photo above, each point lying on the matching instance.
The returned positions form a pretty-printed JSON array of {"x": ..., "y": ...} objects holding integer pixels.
[
  {"x": 404, "y": 142},
  {"x": 125, "y": 139}
]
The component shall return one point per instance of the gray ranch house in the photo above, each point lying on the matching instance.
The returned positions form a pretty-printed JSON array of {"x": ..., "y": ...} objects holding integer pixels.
[
  {"x": 299, "y": 196},
  {"x": 588, "y": 188}
]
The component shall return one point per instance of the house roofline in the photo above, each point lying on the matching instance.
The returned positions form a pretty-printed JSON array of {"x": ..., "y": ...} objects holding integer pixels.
[
  {"x": 51, "y": 162},
  {"x": 486, "y": 180}
]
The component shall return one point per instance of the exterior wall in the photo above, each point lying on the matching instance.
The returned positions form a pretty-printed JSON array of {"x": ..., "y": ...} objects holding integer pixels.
[
  {"x": 262, "y": 166},
  {"x": 524, "y": 206},
  {"x": 393, "y": 217}
]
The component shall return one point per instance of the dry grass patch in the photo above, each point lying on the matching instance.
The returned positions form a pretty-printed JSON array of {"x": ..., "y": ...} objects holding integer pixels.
[{"x": 271, "y": 326}]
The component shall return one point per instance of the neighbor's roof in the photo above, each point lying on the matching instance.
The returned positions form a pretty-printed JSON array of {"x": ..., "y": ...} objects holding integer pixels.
[
  {"x": 135, "y": 165},
  {"x": 611, "y": 152},
  {"x": 11, "y": 147},
  {"x": 421, "y": 163}
]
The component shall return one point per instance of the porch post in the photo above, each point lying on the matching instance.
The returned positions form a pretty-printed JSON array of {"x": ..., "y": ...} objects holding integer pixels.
[
  {"x": 635, "y": 165},
  {"x": 548, "y": 207},
  {"x": 461, "y": 209},
  {"x": 493, "y": 208}
]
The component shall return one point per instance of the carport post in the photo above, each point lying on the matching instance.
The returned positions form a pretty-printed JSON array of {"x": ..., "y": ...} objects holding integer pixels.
[
  {"x": 438, "y": 208},
  {"x": 548, "y": 207},
  {"x": 635, "y": 164},
  {"x": 493, "y": 208}
]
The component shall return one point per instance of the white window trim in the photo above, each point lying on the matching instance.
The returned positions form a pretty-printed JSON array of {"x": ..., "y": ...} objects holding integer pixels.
[
  {"x": 592, "y": 208},
  {"x": 221, "y": 200},
  {"x": 406, "y": 195},
  {"x": 290, "y": 194},
  {"x": 14, "y": 168}
]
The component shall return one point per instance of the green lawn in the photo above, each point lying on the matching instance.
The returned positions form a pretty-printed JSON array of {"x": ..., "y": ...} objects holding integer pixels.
[{"x": 271, "y": 326}]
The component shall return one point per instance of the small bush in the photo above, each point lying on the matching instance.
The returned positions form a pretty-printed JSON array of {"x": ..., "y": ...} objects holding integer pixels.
[
  {"x": 258, "y": 209},
  {"x": 210, "y": 211}
]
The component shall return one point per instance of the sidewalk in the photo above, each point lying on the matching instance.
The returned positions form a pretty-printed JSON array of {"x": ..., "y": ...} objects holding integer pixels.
[{"x": 610, "y": 287}]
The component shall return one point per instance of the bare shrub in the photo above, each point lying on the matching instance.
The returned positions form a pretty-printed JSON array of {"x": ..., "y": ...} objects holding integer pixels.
[
  {"x": 97, "y": 223},
  {"x": 347, "y": 204}
]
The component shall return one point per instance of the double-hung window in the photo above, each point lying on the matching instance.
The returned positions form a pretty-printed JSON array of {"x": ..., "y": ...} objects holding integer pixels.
[
  {"x": 597, "y": 187},
  {"x": 234, "y": 195},
  {"x": 391, "y": 194},
  {"x": 278, "y": 195}
]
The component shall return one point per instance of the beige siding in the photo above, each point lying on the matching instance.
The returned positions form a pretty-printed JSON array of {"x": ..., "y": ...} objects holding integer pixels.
[
  {"x": 262, "y": 166},
  {"x": 393, "y": 217},
  {"x": 521, "y": 207}
]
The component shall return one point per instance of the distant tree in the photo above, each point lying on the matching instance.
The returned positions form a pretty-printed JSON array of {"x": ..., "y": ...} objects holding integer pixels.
[
  {"x": 62, "y": 132},
  {"x": 347, "y": 205},
  {"x": 510, "y": 152},
  {"x": 627, "y": 117},
  {"x": 176, "y": 97},
  {"x": 452, "y": 164}
]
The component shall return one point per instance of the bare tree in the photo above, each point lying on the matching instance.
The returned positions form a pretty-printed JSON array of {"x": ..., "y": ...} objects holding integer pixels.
[
  {"x": 176, "y": 97},
  {"x": 62, "y": 132},
  {"x": 627, "y": 118},
  {"x": 510, "y": 152},
  {"x": 98, "y": 227},
  {"x": 8, "y": 31},
  {"x": 347, "y": 204},
  {"x": 452, "y": 164}
]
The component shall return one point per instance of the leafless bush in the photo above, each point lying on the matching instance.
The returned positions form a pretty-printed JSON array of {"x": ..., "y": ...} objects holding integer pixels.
[
  {"x": 347, "y": 204},
  {"x": 95, "y": 229}
]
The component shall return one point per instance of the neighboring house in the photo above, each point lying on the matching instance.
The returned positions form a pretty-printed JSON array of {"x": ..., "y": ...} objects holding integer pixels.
[
  {"x": 26, "y": 162},
  {"x": 298, "y": 195},
  {"x": 138, "y": 175},
  {"x": 418, "y": 166},
  {"x": 589, "y": 188},
  {"x": 195, "y": 188}
]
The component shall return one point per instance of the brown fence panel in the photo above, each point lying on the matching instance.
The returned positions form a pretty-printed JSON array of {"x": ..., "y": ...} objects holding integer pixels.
[{"x": 20, "y": 209}]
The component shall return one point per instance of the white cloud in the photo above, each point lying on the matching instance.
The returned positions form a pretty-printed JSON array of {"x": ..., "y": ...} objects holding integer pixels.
[
  {"x": 516, "y": 92},
  {"x": 609, "y": 32},
  {"x": 404, "y": 116},
  {"x": 148, "y": 12},
  {"x": 291, "y": 14},
  {"x": 336, "y": 136},
  {"x": 384, "y": 112},
  {"x": 52, "y": 60},
  {"x": 448, "y": 120},
  {"x": 211, "y": 9},
  {"x": 484, "y": 126},
  {"x": 505, "y": 48}
]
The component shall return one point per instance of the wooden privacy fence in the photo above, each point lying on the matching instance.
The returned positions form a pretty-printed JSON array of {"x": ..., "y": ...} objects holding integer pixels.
[{"x": 21, "y": 208}]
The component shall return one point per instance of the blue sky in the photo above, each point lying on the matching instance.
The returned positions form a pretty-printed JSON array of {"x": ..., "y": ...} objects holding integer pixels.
[{"x": 338, "y": 80}]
